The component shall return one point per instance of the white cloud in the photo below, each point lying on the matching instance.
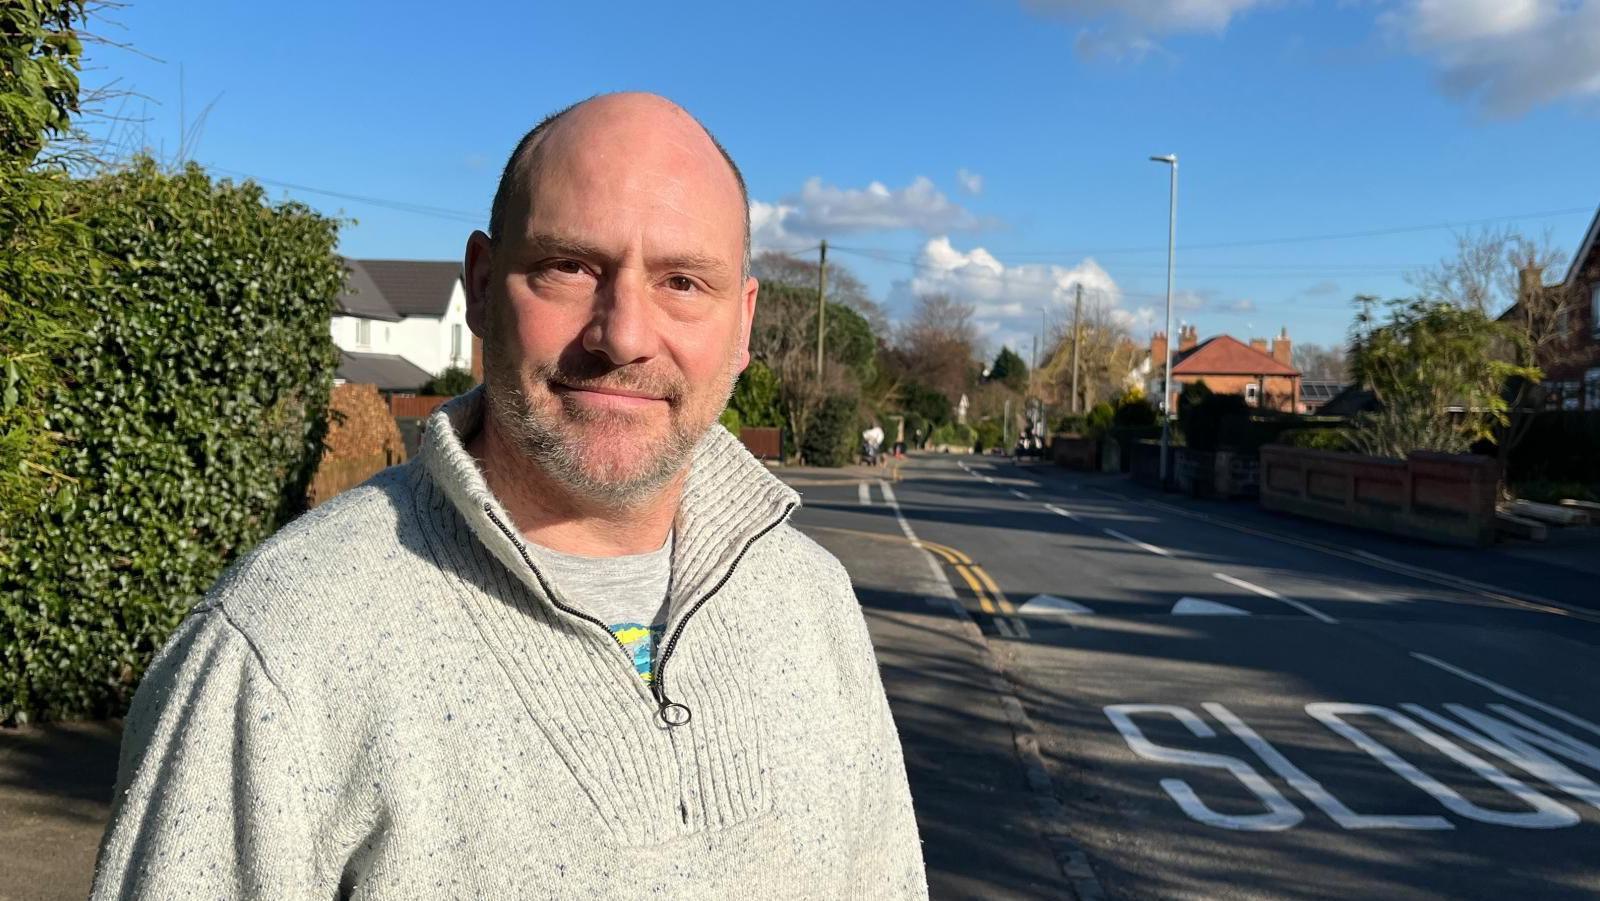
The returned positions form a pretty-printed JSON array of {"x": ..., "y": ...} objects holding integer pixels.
[
  {"x": 1507, "y": 56},
  {"x": 971, "y": 182},
  {"x": 1007, "y": 300},
  {"x": 821, "y": 211},
  {"x": 1242, "y": 305},
  {"x": 1126, "y": 29}
]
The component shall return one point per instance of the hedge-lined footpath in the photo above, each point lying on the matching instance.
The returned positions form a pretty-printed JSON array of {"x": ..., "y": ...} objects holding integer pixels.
[{"x": 190, "y": 414}]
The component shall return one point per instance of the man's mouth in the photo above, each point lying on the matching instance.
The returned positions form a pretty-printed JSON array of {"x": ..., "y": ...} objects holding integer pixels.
[{"x": 606, "y": 397}]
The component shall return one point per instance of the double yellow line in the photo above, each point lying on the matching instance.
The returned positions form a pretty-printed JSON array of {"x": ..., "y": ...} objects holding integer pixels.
[{"x": 991, "y": 599}]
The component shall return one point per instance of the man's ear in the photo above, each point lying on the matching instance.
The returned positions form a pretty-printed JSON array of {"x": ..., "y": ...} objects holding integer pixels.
[
  {"x": 476, "y": 271},
  {"x": 747, "y": 315}
]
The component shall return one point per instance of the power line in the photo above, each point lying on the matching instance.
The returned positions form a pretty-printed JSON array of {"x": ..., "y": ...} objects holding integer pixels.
[
  {"x": 1299, "y": 239},
  {"x": 398, "y": 205}
]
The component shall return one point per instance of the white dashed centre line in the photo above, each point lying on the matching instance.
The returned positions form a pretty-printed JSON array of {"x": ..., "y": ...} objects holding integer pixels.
[
  {"x": 864, "y": 493},
  {"x": 1023, "y": 495},
  {"x": 1269, "y": 593},
  {"x": 1060, "y": 512},
  {"x": 1137, "y": 543}
]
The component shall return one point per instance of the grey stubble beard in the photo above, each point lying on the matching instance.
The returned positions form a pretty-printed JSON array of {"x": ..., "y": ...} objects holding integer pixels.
[{"x": 559, "y": 453}]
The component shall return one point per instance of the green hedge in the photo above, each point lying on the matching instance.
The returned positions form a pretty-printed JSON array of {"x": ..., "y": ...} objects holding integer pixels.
[
  {"x": 191, "y": 422},
  {"x": 831, "y": 438}
]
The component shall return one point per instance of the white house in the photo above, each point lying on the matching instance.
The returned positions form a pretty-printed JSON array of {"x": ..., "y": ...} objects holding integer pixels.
[{"x": 401, "y": 322}]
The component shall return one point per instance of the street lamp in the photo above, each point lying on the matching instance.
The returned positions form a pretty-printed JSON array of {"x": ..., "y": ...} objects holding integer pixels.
[{"x": 1166, "y": 378}]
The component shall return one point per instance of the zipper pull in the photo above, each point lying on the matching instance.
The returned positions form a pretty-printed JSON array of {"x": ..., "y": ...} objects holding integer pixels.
[{"x": 671, "y": 713}]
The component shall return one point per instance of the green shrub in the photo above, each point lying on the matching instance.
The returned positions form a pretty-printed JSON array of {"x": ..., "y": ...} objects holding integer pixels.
[
  {"x": 1072, "y": 424},
  {"x": 1316, "y": 439},
  {"x": 954, "y": 435},
  {"x": 990, "y": 434},
  {"x": 451, "y": 382},
  {"x": 1214, "y": 422},
  {"x": 1134, "y": 410},
  {"x": 832, "y": 436},
  {"x": 191, "y": 424},
  {"x": 756, "y": 397},
  {"x": 1099, "y": 419}
]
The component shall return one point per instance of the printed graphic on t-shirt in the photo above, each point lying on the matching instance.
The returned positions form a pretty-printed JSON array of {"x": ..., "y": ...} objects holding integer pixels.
[{"x": 640, "y": 642}]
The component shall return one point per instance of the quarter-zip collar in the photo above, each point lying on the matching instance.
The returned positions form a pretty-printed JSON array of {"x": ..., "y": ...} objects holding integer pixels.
[{"x": 729, "y": 499}]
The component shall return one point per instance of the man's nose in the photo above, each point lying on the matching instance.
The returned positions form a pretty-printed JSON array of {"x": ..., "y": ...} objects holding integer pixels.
[{"x": 622, "y": 328}]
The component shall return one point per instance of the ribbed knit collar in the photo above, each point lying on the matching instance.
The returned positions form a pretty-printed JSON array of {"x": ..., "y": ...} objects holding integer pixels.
[{"x": 728, "y": 500}]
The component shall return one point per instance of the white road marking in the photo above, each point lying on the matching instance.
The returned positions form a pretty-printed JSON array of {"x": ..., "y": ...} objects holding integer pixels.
[
  {"x": 1311, "y": 788},
  {"x": 989, "y": 479},
  {"x": 1049, "y": 606},
  {"x": 1203, "y": 607},
  {"x": 1281, "y": 813},
  {"x": 864, "y": 493},
  {"x": 1136, "y": 542},
  {"x": 1511, "y": 693},
  {"x": 1021, "y": 495},
  {"x": 1269, "y": 593},
  {"x": 1546, "y": 813},
  {"x": 1004, "y": 627},
  {"x": 1519, "y": 744},
  {"x": 1060, "y": 512}
]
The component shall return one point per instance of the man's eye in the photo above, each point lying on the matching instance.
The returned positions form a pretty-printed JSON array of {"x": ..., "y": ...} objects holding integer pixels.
[
  {"x": 680, "y": 283},
  {"x": 569, "y": 267}
]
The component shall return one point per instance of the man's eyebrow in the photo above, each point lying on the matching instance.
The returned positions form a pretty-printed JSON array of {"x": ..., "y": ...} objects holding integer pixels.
[
  {"x": 694, "y": 261},
  {"x": 548, "y": 243}
]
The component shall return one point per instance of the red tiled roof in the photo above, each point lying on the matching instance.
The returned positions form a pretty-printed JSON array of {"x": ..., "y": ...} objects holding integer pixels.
[{"x": 1225, "y": 355}]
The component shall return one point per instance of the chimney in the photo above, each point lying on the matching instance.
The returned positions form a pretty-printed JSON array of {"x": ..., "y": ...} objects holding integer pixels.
[
  {"x": 1259, "y": 344},
  {"x": 1158, "y": 351},
  {"x": 1281, "y": 348},
  {"x": 1188, "y": 337}
]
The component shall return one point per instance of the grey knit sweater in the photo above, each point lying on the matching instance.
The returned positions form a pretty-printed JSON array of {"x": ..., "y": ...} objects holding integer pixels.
[{"x": 387, "y": 700}]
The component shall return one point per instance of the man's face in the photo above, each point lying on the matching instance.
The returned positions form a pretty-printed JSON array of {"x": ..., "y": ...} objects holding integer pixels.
[{"x": 614, "y": 309}]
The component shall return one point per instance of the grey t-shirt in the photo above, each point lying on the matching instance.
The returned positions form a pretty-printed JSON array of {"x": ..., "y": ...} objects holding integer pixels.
[{"x": 628, "y": 594}]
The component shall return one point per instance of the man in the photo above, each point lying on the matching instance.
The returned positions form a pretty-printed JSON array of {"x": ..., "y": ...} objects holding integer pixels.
[{"x": 448, "y": 682}]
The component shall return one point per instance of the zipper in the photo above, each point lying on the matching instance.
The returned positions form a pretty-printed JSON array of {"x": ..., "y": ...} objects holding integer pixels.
[
  {"x": 672, "y": 713},
  {"x": 523, "y": 552}
]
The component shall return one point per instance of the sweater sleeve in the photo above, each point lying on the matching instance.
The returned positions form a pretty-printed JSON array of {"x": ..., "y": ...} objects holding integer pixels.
[{"x": 209, "y": 796}]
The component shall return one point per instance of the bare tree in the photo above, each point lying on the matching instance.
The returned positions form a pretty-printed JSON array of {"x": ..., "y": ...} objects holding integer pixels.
[
  {"x": 772, "y": 267},
  {"x": 1106, "y": 357},
  {"x": 939, "y": 345},
  {"x": 1501, "y": 273},
  {"x": 1316, "y": 361}
]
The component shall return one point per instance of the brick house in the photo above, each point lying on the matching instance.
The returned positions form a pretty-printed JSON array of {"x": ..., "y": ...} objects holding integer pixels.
[
  {"x": 1262, "y": 373},
  {"x": 1573, "y": 379}
]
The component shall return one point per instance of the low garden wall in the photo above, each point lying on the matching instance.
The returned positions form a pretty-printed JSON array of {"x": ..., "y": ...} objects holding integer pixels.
[
  {"x": 1076, "y": 452},
  {"x": 1446, "y": 498},
  {"x": 1218, "y": 474},
  {"x": 764, "y": 443}
]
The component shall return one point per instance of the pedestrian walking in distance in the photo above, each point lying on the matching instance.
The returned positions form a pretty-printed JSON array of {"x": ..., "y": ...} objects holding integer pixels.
[{"x": 573, "y": 649}]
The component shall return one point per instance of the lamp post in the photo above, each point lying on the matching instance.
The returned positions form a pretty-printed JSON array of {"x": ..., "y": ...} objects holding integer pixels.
[{"x": 1170, "y": 159}]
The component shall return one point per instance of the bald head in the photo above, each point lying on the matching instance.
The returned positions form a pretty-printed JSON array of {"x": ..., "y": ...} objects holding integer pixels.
[{"x": 605, "y": 124}]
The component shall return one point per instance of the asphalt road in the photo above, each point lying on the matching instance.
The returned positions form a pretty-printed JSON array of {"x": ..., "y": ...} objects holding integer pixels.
[{"x": 1245, "y": 708}]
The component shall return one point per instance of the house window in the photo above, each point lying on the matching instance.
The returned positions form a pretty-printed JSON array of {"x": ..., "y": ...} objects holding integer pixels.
[
  {"x": 1594, "y": 310},
  {"x": 455, "y": 343},
  {"x": 363, "y": 333},
  {"x": 1252, "y": 394},
  {"x": 1591, "y": 389}
]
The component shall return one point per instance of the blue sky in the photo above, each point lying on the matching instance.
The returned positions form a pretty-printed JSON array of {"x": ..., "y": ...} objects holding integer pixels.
[{"x": 994, "y": 149}]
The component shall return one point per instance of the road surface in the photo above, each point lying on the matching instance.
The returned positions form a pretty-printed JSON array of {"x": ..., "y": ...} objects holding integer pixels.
[{"x": 1231, "y": 706}]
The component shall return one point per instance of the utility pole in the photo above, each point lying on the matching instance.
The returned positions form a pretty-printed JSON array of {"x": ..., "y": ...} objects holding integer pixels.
[
  {"x": 1033, "y": 365},
  {"x": 1077, "y": 338},
  {"x": 822, "y": 304}
]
